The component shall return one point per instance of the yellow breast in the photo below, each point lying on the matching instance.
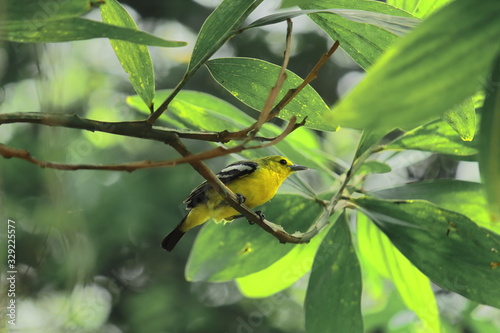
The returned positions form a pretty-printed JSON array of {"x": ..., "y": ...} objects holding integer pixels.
[{"x": 257, "y": 188}]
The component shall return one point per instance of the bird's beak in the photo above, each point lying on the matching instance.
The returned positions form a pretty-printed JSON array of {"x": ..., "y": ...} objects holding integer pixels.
[{"x": 297, "y": 167}]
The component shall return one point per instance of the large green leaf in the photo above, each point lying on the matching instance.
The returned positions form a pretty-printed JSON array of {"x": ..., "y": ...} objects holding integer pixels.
[
  {"x": 33, "y": 12},
  {"x": 489, "y": 148},
  {"x": 218, "y": 28},
  {"x": 413, "y": 286},
  {"x": 225, "y": 252},
  {"x": 419, "y": 8},
  {"x": 446, "y": 246},
  {"x": 363, "y": 42},
  {"x": 250, "y": 80},
  {"x": 463, "y": 197},
  {"x": 333, "y": 299},
  {"x": 436, "y": 136},
  {"x": 415, "y": 80},
  {"x": 134, "y": 58},
  {"x": 76, "y": 28},
  {"x": 284, "y": 272}
]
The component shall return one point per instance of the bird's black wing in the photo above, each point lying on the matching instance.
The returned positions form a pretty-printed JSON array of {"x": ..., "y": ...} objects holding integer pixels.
[{"x": 228, "y": 174}]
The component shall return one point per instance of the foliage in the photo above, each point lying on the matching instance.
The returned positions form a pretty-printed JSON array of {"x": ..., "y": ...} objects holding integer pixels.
[{"x": 426, "y": 62}]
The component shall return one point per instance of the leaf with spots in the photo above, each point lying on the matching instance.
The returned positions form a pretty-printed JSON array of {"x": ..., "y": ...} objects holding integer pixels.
[
  {"x": 446, "y": 246},
  {"x": 250, "y": 81}
]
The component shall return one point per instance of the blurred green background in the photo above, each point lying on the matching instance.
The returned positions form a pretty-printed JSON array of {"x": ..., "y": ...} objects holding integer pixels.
[{"x": 87, "y": 242}]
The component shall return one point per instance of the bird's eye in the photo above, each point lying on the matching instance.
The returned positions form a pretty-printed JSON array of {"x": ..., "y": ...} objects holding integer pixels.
[{"x": 283, "y": 161}]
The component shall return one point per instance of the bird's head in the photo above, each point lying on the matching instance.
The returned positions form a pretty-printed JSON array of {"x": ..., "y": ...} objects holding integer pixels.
[{"x": 281, "y": 165}]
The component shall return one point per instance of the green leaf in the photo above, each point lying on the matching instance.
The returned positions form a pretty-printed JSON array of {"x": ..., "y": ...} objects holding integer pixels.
[
  {"x": 462, "y": 118},
  {"x": 436, "y": 136},
  {"x": 199, "y": 111},
  {"x": 415, "y": 80},
  {"x": 285, "y": 271},
  {"x": 134, "y": 58},
  {"x": 373, "y": 166},
  {"x": 419, "y": 8},
  {"x": 218, "y": 28},
  {"x": 225, "y": 252},
  {"x": 333, "y": 299},
  {"x": 34, "y": 12},
  {"x": 413, "y": 286},
  {"x": 364, "y": 43},
  {"x": 466, "y": 198},
  {"x": 446, "y": 246},
  {"x": 369, "y": 139},
  {"x": 193, "y": 110},
  {"x": 397, "y": 25},
  {"x": 71, "y": 29},
  {"x": 489, "y": 145},
  {"x": 250, "y": 80}
]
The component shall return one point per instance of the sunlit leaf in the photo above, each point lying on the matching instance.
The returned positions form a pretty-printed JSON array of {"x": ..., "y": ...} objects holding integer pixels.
[
  {"x": 463, "y": 197},
  {"x": 250, "y": 80},
  {"x": 415, "y": 80},
  {"x": 419, "y": 8},
  {"x": 413, "y": 286},
  {"x": 134, "y": 58},
  {"x": 333, "y": 299},
  {"x": 437, "y": 136},
  {"x": 446, "y": 246},
  {"x": 225, "y": 252},
  {"x": 489, "y": 147},
  {"x": 364, "y": 43},
  {"x": 196, "y": 110},
  {"x": 218, "y": 28},
  {"x": 284, "y": 272},
  {"x": 462, "y": 118},
  {"x": 397, "y": 25},
  {"x": 71, "y": 29}
]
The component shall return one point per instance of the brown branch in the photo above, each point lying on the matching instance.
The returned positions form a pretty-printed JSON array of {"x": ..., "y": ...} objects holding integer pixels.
[
  {"x": 9, "y": 152},
  {"x": 313, "y": 74},
  {"x": 136, "y": 129}
]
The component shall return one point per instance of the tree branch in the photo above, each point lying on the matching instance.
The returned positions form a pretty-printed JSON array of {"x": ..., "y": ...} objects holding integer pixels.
[
  {"x": 136, "y": 129},
  {"x": 9, "y": 152}
]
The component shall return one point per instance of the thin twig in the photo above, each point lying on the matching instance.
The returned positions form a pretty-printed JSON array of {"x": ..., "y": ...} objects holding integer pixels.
[
  {"x": 158, "y": 112},
  {"x": 273, "y": 94},
  {"x": 313, "y": 74}
]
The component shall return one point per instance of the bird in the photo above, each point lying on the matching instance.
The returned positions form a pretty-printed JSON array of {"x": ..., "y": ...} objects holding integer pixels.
[{"x": 253, "y": 181}]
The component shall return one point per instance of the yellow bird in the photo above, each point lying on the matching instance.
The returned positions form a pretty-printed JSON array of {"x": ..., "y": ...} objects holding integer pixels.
[{"x": 254, "y": 182}]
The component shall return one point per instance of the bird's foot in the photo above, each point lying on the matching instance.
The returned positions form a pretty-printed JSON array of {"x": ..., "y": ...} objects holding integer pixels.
[
  {"x": 261, "y": 216},
  {"x": 241, "y": 198}
]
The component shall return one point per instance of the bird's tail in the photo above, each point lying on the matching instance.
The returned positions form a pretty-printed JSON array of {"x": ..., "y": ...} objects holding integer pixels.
[{"x": 170, "y": 240}]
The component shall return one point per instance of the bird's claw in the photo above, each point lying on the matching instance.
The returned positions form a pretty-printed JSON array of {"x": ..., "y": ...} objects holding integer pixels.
[
  {"x": 261, "y": 216},
  {"x": 241, "y": 198}
]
